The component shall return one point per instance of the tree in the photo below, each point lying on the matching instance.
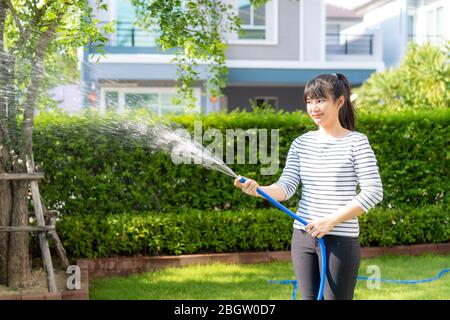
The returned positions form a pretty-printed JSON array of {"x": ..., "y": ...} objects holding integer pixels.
[
  {"x": 31, "y": 32},
  {"x": 421, "y": 81},
  {"x": 196, "y": 29}
]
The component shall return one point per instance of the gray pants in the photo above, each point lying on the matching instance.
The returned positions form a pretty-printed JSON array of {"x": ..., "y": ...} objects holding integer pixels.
[{"x": 343, "y": 259}]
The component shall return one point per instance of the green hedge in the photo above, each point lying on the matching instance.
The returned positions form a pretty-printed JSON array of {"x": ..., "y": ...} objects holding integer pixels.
[
  {"x": 94, "y": 169},
  {"x": 232, "y": 231}
]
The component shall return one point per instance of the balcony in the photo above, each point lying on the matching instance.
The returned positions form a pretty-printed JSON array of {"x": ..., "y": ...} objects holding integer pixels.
[
  {"x": 354, "y": 47},
  {"x": 347, "y": 44},
  {"x": 129, "y": 38}
]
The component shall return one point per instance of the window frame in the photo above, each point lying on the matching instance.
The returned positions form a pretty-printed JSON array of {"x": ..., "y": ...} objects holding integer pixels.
[
  {"x": 271, "y": 26},
  {"x": 253, "y": 26},
  {"x": 426, "y": 31},
  {"x": 142, "y": 90},
  {"x": 266, "y": 98}
]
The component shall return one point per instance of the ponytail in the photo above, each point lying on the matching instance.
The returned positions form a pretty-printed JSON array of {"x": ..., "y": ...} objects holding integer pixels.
[{"x": 347, "y": 111}]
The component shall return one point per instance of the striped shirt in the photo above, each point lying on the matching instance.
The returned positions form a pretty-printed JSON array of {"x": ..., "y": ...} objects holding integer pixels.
[{"x": 329, "y": 170}]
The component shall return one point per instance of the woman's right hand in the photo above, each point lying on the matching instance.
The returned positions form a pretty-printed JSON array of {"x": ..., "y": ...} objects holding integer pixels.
[{"x": 249, "y": 187}]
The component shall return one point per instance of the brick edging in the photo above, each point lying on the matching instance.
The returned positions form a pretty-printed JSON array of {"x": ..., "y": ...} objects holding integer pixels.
[
  {"x": 413, "y": 250},
  {"x": 102, "y": 267},
  {"x": 91, "y": 268}
]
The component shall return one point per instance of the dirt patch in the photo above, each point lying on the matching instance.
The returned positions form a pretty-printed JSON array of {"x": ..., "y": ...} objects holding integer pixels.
[{"x": 38, "y": 284}]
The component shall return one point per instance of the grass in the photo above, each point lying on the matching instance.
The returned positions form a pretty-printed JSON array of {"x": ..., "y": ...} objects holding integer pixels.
[{"x": 250, "y": 281}]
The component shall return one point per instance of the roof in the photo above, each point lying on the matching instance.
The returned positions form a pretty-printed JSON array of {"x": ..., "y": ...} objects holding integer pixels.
[
  {"x": 348, "y": 4},
  {"x": 371, "y": 5},
  {"x": 336, "y": 12}
]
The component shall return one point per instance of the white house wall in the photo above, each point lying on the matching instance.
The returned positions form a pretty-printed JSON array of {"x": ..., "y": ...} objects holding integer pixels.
[
  {"x": 421, "y": 19},
  {"x": 313, "y": 30}
]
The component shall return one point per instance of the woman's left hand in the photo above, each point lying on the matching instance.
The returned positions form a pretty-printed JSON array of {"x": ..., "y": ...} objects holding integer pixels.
[{"x": 320, "y": 227}]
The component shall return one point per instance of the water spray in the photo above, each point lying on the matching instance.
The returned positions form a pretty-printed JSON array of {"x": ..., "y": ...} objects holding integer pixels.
[{"x": 166, "y": 138}]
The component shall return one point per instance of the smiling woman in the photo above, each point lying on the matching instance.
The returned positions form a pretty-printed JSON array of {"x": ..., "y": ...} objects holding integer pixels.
[{"x": 329, "y": 162}]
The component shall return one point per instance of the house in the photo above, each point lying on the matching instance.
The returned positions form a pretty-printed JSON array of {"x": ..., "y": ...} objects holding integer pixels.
[
  {"x": 286, "y": 44},
  {"x": 402, "y": 21}
]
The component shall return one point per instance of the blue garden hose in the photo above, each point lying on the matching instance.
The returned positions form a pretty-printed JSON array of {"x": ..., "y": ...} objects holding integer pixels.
[
  {"x": 438, "y": 276},
  {"x": 323, "y": 273}
]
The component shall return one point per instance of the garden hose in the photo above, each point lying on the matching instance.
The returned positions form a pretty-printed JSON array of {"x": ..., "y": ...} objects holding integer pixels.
[
  {"x": 323, "y": 273},
  {"x": 438, "y": 276}
]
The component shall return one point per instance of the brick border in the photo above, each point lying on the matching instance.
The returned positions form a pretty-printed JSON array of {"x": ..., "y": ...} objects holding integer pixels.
[
  {"x": 80, "y": 294},
  {"x": 412, "y": 250},
  {"x": 104, "y": 267}
]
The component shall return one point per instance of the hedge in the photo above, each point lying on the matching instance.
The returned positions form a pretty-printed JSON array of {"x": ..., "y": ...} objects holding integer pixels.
[
  {"x": 232, "y": 231},
  {"x": 92, "y": 167}
]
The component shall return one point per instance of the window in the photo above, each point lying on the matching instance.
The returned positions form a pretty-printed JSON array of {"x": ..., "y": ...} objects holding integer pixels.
[
  {"x": 411, "y": 27},
  {"x": 430, "y": 23},
  {"x": 149, "y": 101},
  {"x": 267, "y": 101},
  {"x": 112, "y": 100},
  {"x": 253, "y": 21},
  {"x": 155, "y": 100},
  {"x": 434, "y": 25},
  {"x": 439, "y": 21},
  {"x": 259, "y": 26},
  {"x": 167, "y": 106}
]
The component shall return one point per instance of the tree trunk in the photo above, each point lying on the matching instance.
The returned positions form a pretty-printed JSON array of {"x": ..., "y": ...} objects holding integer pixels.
[
  {"x": 5, "y": 185},
  {"x": 17, "y": 149},
  {"x": 19, "y": 266},
  {"x": 5, "y": 220},
  {"x": 31, "y": 97}
]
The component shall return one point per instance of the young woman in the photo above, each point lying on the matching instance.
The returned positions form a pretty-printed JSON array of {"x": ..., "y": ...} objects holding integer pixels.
[{"x": 329, "y": 162}]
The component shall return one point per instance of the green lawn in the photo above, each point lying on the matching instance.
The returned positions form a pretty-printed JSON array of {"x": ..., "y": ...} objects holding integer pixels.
[{"x": 232, "y": 281}]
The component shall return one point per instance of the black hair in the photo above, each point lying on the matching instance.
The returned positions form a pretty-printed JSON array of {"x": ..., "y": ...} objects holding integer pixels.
[{"x": 333, "y": 85}]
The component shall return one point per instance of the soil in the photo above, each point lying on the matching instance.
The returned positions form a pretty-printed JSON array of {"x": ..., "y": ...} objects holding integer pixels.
[{"x": 38, "y": 284}]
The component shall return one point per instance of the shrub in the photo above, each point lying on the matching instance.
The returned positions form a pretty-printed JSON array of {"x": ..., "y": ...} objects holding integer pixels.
[
  {"x": 232, "y": 231},
  {"x": 92, "y": 169},
  {"x": 422, "y": 81}
]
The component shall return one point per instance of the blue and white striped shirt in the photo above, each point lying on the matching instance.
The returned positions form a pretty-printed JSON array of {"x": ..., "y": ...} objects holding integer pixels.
[{"x": 329, "y": 170}]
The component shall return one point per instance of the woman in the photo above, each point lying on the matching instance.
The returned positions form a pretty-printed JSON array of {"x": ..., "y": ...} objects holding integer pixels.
[{"x": 329, "y": 162}]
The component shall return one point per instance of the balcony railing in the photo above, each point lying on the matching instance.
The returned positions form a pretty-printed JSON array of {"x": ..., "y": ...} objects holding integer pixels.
[
  {"x": 129, "y": 35},
  {"x": 347, "y": 44}
]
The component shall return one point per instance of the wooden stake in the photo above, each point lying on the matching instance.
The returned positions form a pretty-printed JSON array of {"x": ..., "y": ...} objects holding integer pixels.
[
  {"x": 46, "y": 256},
  {"x": 26, "y": 228},
  {"x": 21, "y": 176}
]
